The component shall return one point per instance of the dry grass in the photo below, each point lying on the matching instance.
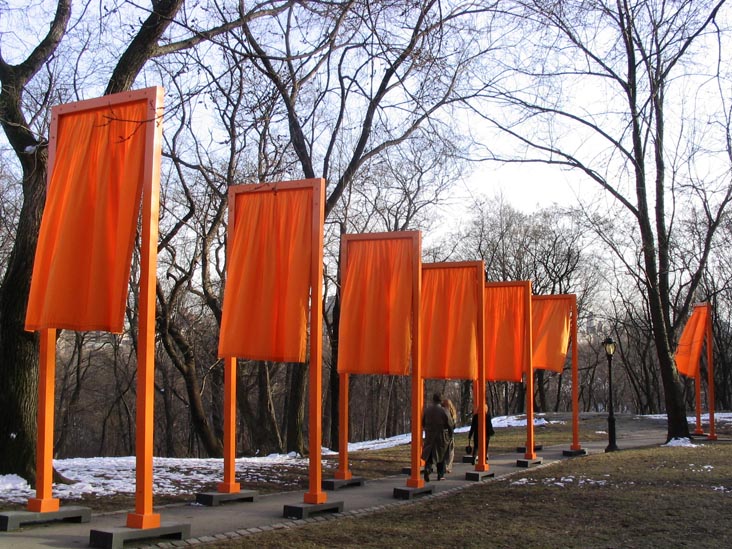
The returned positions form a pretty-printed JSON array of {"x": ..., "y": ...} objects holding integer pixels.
[{"x": 653, "y": 497}]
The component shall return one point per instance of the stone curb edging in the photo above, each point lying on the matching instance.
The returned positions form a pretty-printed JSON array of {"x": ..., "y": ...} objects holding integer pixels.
[{"x": 354, "y": 513}]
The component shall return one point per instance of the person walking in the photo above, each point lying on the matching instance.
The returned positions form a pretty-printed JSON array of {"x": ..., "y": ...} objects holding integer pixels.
[
  {"x": 438, "y": 429},
  {"x": 473, "y": 432},
  {"x": 452, "y": 411}
]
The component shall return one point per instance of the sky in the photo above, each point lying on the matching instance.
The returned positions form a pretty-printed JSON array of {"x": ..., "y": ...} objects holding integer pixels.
[{"x": 171, "y": 476}]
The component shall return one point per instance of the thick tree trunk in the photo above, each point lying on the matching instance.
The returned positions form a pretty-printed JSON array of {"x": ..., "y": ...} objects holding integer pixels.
[
  {"x": 296, "y": 408},
  {"x": 678, "y": 426},
  {"x": 216, "y": 390},
  {"x": 18, "y": 348},
  {"x": 213, "y": 446}
]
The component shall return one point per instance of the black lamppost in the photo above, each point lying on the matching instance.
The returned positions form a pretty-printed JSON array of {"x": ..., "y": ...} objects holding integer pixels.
[{"x": 609, "y": 345}]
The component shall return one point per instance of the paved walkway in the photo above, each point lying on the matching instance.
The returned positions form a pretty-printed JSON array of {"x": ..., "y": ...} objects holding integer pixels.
[{"x": 233, "y": 520}]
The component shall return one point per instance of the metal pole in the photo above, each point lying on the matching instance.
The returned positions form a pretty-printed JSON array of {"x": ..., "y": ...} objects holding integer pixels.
[{"x": 611, "y": 447}]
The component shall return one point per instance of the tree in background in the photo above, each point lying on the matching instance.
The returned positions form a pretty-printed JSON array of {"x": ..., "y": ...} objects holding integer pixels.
[
  {"x": 548, "y": 247},
  {"x": 612, "y": 89},
  {"x": 349, "y": 82},
  {"x": 29, "y": 88},
  {"x": 354, "y": 85}
]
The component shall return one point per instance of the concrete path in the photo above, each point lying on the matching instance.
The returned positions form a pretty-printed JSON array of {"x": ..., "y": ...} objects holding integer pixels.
[{"x": 233, "y": 520}]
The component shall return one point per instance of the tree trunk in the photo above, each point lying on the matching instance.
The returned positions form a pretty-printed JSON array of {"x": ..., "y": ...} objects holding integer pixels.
[
  {"x": 18, "y": 348},
  {"x": 541, "y": 389},
  {"x": 558, "y": 397},
  {"x": 213, "y": 446},
  {"x": 296, "y": 408},
  {"x": 466, "y": 403},
  {"x": 266, "y": 438},
  {"x": 184, "y": 360},
  {"x": 334, "y": 382}
]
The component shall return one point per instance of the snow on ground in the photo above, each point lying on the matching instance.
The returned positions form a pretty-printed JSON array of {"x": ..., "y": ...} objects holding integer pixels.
[
  {"x": 680, "y": 442},
  {"x": 114, "y": 475}
]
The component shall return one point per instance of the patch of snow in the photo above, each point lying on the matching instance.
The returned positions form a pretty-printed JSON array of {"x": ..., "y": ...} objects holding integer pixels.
[
  {"x": 112, "y": 475},
  {"x": 680, "y": 442}
]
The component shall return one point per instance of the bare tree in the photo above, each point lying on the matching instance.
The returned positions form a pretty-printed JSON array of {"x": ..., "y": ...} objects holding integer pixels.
[
  {"x": 18, "y": 349},
  {"x": 353, "y": 85},
  {"x": 600, "y": 87}
]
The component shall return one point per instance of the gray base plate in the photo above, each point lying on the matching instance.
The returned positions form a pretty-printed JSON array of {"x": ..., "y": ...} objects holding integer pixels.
[
  {"x": 411, "y": 493},
  {"x": 114, "y": 538},
  {"x": 212, "y": 499},
  {"x": 12, "y": 520},
  {"x": 304, "y": 510}
]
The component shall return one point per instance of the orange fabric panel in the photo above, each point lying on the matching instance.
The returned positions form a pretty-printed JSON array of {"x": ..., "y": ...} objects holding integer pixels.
[
  {"x": 376, "y": 307},
  {"x": 506, "y": 332},
  {"x": 82, "y": 262},
  {"x": 449, "y": 309},
  {"x": 268, "y": 276},
  {"x": 550, "y": 319},
  {"x": 689, "y": 348}
]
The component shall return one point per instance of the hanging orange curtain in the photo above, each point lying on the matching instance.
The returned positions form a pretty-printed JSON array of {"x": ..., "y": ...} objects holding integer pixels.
[
  {"x": 82, "y": 262},
  {"x": 376, "y": 307},
  {"x": 506, "y": 331},
  {"x": 268, "y": 276},
  {"x": 449, "y": 310},
  {"x": 550, "y": 318},
  {"x": 689, "y": 348}
]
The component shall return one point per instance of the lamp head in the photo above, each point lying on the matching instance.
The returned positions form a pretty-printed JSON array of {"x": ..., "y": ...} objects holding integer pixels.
[{"x": 609, "y": 345}]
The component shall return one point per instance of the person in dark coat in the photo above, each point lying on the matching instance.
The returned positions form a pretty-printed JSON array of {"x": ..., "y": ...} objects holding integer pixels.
[
  {"x": 473, "y": 433},
  {"x": 438, "y": 429}
]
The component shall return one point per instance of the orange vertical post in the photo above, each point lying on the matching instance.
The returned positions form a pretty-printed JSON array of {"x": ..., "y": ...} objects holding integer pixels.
[
  {"x": 143, "y": 517},
  {"x": 44, "y": 501},
  {"x": 698, "y": 401},
  {"x": 481, "y": 464},
  {"x": 529, "y": 370},
  {"x": 315, "y": 426},
  {"x": 229, "y": 486},
  {"x": 343, "y": 380},
  {"x": 343, "y": 472},
  {"x": 575, "y": 378},
  {"x": 414, "y": 480},
  {"x": 710, "y": 374}
]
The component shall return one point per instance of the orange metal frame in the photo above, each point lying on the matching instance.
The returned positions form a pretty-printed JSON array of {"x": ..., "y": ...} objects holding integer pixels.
[
  {"x": 479, "y": 384},
  {"x": 343, "y": 472},
  {"x": 710, "y": 378},
  {"x": 315, "y": 493},
  {"x": 572, "y": 298},
  {"x": 528, "y": 368},
  {"x": 143, "y": 516},
  {"x": 44, "y": 501}
]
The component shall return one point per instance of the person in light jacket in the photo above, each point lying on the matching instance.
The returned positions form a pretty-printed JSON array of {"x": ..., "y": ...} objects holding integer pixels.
[{"x": 450, "y": 407}]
